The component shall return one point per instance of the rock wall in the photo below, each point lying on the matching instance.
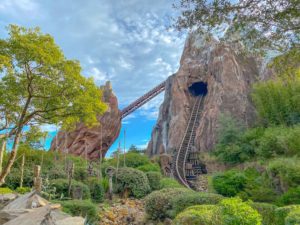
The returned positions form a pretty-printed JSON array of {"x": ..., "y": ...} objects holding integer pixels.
[
  {"x": 91, "y": 142},
  {"x": 228, "y": 74}
]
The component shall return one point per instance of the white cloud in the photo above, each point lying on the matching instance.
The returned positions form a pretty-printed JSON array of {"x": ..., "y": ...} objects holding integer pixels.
[
  {"x": 132, "y": 48},
  {"x": 97, "y": 74}
]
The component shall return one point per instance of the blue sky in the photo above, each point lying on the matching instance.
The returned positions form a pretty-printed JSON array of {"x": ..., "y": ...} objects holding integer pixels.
[{"x": 124, "y": 41}]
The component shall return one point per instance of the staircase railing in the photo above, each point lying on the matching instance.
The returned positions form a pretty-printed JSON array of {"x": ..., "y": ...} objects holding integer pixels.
[
  {"x": 186, "y": 142},
  {"x": 142, "y": 100}
]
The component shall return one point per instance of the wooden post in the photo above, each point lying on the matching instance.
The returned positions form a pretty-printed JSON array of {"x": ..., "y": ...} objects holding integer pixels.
[
  {"x": 22, "y": 171},
  {"x": 70, "y": 176},
  {"x": 37, "y": 179},
  {"x": 110, "y": 172}
]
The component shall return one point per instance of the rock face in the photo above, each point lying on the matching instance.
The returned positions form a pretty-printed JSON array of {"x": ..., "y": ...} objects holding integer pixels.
[
  {"x": 228, "y": 76},
  {"x": 91, "y": 142}
]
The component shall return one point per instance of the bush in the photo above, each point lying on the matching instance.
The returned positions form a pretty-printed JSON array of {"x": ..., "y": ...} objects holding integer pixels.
[
  {"x": 282, "y": 212},
  {"x": 149, "y": 167},
  {"x": 167, "y": 182},
  {"x": 292, "y": 196},
  {"x": 198, "y": 215},
  {"x": 229, "y": 183},
  {"x": 258, "y": 188},
  {"x": 105, "y": 184},
  {"x": 267, "y": 211},
  {"x": 279, "y": 141},
  {"x": 158, "y": 203},
  {"x": 276, "y": 101},
  {"x": 234, "y": 211},
  {"x": 13, "y": 179},
  {"x": 81, "y": 208},
  {"x": 4, "y": 191},
  {"x": 96, "y": 189},
  {"x": 286, "y": 170},
  {"x": 293, "y": 218},
  {"x": 61, "y": 186},
  {"x": 132, "y": 181},
  {"x": 183, "y": 201},
  {"x": 133, "y": 160},
  {"x": 23, "y": 190},
  {"x": 154, "y": 180}
]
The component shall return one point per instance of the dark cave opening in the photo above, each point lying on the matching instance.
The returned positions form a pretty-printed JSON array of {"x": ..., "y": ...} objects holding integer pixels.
[{"x": 198, "y": 88}]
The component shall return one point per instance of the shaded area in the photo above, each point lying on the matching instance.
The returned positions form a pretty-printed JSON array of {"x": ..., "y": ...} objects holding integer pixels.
[{"x": 198, "y": 88}]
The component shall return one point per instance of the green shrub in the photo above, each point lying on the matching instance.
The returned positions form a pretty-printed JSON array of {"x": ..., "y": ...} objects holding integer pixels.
[
  {"x": 132, "y": 181},
  {"x": 149, "y": 167},
  {"x": 13, "y": 179},
  {"x": 61, "y": 186},
  {"x": 276, "y": 101},
  {"x": 105, "y": 183},
  {"x": 158, "y": 203},
  {"x": 293, "y": 218},
  {"x": 286, "y": 170},
  {"x": 167, "y": 182},
  {"x": 267, "y": 211},
  {"x": 279, "y": 140},
  {"x": 96, "y": 189},
  {"x": 23, "y": 190},
  {"x": 229, "y": 183},
  {"x": 132, "y": 159},
  {"x": 198, "y": 215},
  {"x": 5, "y": 190},
  {"x": 81, "y": 208},
  {"x": 258, "y": 188},
  {"x": 292, "y": 196},
  {"x": 154, "y": 180},
  {"x": 282, "y": 212},
  {"x": 234, "y": 211},
  {"x": 184, "y": 200}
]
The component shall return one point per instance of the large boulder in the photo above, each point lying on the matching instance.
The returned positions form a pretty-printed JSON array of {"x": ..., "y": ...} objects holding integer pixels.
[
  {"x": 228, "y": 74},
  {"x": 91, "y": 142},
  {"x": 31, "y": 209}
]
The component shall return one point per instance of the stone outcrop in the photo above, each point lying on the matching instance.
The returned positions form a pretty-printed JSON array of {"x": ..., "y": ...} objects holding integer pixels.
[
  {"x": 31, "y": 209},
  {"x": 91, "y": 142},
  {"x": 228, "y": 75}
]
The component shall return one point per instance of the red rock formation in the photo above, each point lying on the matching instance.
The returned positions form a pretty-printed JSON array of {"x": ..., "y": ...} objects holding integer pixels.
[
  {"x": 228, "y": 75},
  {"x": 90, "y": 142}
]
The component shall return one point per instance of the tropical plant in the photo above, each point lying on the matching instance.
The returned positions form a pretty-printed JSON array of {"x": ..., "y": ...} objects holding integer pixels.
[{"x": 40, "y": 86}]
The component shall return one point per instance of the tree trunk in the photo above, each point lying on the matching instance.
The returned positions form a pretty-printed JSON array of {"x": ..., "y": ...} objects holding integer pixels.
[
  {"x": 11, "y": 159},
  {"x": 22, "y": 170},
  {"x": 2, "y": 150}
]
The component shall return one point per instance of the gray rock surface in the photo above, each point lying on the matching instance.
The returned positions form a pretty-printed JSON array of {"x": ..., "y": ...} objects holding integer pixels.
[{"x": 229, "y": 76}]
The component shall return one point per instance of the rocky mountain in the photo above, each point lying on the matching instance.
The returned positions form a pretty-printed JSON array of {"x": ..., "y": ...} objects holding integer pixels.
[
  {"x": 91, "y": 142},
  {"x": 225, "y": 72}
]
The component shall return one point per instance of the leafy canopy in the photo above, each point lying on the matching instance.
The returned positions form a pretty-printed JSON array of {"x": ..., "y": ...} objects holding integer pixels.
[
  {"x": 39, "y": 85},
  {"x": 259, "y": 24}
]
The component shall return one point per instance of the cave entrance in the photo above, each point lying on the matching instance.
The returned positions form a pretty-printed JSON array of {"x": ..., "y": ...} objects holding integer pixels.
[{"x": 198, "y": 88}]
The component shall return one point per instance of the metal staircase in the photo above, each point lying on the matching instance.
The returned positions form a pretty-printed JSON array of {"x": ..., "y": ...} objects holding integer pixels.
[
  {"x": 186, "y": 164},
  {"x": 142, "y": 100}
]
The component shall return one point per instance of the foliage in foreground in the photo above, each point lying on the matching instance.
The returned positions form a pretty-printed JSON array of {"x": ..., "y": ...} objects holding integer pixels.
[
  {"x": 158, "y": 203},
  {"x": 185, "y": 200},
  {"x": 230, "y": 211},
  {"x": 267, "y": 211},
  {"x": 131, "y": 182},
  {"x": 199, "y": 214},
  {"x": 61, "y": 187},
  {"x": 81, "y": 208},
  {"x": 31, "y": 66}
]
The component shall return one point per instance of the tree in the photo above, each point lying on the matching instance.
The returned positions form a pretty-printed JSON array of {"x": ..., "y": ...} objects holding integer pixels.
[
  {"x": 259, "y": 24},
  {"x": 38, "y": 85}
]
